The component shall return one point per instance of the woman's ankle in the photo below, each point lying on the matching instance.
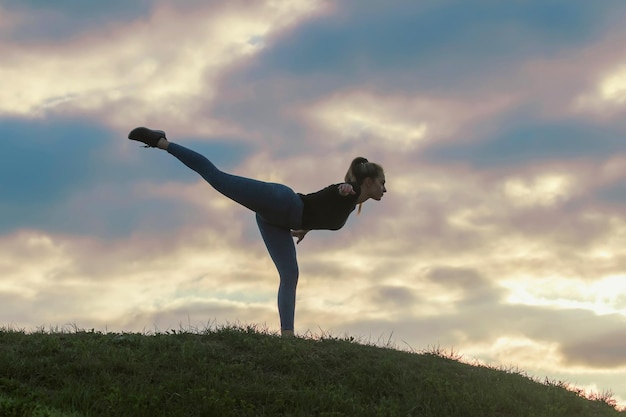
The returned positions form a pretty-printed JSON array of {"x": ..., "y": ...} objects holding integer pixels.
[
  {"x": 286, "y": 333},
  {"x": 163, "y": 144}
]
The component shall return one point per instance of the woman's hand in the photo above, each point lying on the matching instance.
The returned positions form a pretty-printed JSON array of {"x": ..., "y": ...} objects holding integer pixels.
[
  {"x": 346, "y": 189},
  {"x": 299, "y": 234}
]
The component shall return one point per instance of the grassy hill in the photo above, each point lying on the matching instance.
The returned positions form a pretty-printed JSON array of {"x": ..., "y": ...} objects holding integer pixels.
[{"x": 243, "y": 372}]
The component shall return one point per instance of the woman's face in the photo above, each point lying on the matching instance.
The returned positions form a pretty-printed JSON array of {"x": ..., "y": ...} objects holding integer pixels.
[{"x": 375, "y": 187}]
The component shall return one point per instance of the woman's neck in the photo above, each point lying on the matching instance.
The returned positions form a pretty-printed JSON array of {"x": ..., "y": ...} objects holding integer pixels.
[{"x": 362, "y": 198}]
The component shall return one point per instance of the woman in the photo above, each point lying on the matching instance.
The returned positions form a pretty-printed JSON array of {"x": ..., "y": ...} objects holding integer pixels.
[{"x": 281, "y": 213}]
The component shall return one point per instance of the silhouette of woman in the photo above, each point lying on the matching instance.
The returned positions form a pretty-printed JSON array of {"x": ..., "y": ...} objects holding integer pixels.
[{"x": 281, "y": 213}]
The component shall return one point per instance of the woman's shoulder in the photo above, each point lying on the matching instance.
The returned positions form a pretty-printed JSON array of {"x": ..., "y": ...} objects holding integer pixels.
[{"x": 333, "y": 189}]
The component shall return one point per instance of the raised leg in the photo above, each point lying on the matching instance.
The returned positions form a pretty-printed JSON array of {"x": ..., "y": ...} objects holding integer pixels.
[{"x": 276, "y": 203}]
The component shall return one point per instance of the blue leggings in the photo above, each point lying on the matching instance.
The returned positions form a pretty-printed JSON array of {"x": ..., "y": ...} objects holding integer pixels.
[{"x": 278, "y": 210}]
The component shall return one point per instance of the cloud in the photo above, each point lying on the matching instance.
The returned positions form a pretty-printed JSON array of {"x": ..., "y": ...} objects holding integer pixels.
[
  {"x": 102, "y": 282},
  {"x": 465, "y": 285},
  {"x": 37, "y": 20},
  {"x": 604, "y": 351},
  {"x": 80, "y": 178},
  {"x": 522, "y": 144},
  {"x": 398, "y": 122},
  {"x": 126, "y": 77},
  {"x": 442, "y": 43},
  {"x": 613, "y": 87}
]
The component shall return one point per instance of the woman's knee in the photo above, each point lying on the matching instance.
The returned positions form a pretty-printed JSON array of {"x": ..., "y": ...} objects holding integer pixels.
[{"x": 289, "y": 276}]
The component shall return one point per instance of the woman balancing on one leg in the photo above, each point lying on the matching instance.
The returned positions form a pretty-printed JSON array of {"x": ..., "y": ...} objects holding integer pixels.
[{"x": 281, "y": 213}]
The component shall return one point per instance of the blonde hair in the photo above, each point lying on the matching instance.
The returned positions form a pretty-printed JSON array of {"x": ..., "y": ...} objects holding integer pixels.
[{"x": 360, "y": 169}]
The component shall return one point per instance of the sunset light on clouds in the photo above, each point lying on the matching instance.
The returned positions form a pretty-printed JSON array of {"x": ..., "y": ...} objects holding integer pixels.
[{"x": 501, "y": 127}]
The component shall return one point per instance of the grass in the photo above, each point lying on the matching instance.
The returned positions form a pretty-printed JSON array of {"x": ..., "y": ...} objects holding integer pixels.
[{"x": 236, "y": 371}]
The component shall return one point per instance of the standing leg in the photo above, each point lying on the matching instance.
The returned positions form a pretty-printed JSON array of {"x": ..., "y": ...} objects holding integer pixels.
[{"x": 280, "y": 245}]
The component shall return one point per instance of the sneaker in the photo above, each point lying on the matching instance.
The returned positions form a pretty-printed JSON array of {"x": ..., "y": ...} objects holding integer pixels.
[{"x": 148, "y": 136}]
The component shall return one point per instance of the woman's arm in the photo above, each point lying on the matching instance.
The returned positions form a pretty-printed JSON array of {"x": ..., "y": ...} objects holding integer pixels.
[{"x": 299, "y": 234}]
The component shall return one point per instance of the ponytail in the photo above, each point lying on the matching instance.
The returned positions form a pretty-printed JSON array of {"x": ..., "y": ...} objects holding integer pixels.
[{"x": 361, "y": 168}]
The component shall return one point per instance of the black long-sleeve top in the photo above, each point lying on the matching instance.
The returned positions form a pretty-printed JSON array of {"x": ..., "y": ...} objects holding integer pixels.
[{"x": 327, "y": 209}]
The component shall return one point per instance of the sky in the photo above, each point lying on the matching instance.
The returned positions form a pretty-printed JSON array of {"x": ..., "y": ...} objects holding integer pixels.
[{"x": 500, "y": 126}]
